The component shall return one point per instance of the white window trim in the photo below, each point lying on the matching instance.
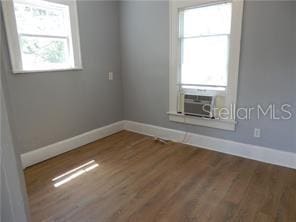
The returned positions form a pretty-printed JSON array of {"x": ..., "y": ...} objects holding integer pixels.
[
  {"x": 13, "y": 41},
  {"x": 213, "y": 123},
  {"x": 234, "y": 57}
]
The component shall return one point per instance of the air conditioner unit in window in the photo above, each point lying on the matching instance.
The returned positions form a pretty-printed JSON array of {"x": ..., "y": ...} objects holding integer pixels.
[{"x": 197, "y": 105}]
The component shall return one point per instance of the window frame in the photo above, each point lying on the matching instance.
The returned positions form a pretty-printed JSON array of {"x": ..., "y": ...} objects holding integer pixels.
[
  {"x": 233, "y": 63},
  {"x": 14, "y": 41}
]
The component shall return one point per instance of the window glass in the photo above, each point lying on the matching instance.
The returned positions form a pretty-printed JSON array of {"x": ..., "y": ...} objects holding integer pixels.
[
  {"x": 205, "y": 45},
  {"x": 43, "y": 52},
  {"x": 207, "y": 20},
  {"x": 46, "y": 20}
]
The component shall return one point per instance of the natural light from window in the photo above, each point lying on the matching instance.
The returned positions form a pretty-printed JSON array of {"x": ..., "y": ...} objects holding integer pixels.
[
  {"x": 44, "y": 33},
  {"x": 74, "y": 173},
  {"x": 204, "y": 36}
]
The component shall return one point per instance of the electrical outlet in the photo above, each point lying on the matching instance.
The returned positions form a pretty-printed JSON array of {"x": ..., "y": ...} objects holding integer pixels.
[
  {"x": 110, "y": 74},
  {"x": 257, "y": 132}
]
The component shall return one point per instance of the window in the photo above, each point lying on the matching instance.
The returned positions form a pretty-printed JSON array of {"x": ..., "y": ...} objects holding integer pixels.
[
  {"x": 204, "y": 36},
  {"x": 42, "y": 35},
  {"x": 204, "y": 57}
]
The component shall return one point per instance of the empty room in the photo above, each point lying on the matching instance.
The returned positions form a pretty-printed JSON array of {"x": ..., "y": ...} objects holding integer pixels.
[{"x": 148, "y": 110}]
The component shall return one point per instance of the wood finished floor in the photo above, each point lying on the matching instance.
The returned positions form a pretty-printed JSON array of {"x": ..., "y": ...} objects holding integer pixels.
[{"x": 141, "y": 180}]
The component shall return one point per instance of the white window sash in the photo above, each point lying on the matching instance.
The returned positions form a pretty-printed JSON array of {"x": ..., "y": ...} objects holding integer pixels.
[
  {"x": 44, "y": 36},
  {"x": 200, "y": 85},
  {"x": 203, "y": 36}
]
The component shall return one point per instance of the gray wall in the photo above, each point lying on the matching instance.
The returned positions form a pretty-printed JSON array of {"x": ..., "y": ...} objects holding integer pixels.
[
  {"x": 13, "y": 206},
  {"x": 49, "y": 107},
  {"x": 267, "y": 70}
]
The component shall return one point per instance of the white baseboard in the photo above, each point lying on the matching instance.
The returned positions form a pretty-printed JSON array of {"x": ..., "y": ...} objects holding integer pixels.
[
  {"x": 259, "y": 153},
  {"x": 55, "y": 149}
]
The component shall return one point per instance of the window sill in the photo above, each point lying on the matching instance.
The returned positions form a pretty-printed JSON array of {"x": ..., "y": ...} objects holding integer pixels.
[
  {"x": 213, "y": 123},
  {"x": 49, "y": 70}
]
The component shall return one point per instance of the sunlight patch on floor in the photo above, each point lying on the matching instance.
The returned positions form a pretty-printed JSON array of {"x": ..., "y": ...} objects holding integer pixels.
[{"x": 74, "y": 173}]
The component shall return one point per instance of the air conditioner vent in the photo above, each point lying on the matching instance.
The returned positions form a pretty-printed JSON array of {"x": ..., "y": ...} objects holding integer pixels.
[{"x": 201, "y": 106}]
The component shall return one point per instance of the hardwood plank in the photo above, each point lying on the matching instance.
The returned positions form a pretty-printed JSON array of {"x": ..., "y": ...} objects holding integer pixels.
[{"x": 139, "y": 179}]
